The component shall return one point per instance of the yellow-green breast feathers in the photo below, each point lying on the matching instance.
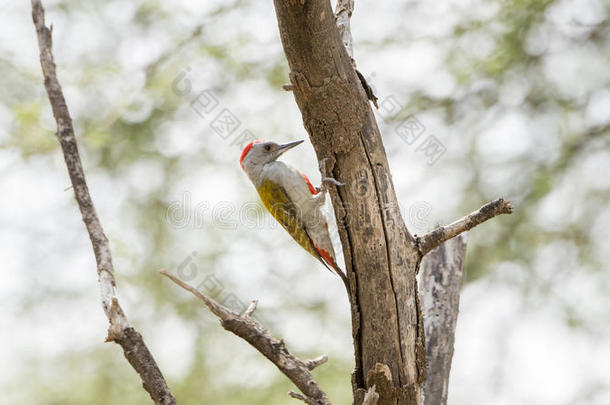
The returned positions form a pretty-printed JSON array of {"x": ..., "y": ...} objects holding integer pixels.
[{"x": 279, "y": 204}]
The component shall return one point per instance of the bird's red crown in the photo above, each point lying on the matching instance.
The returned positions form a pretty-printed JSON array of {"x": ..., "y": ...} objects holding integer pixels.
[{"x": 247, "y": 149}]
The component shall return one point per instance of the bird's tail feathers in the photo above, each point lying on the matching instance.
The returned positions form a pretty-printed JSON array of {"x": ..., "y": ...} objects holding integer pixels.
[
  {"x": 333, "y": 268},
  {"x": 329, "y": 262}
]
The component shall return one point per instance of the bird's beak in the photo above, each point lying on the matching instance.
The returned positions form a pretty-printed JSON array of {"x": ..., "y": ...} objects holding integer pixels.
[{"x": 283, "y": 148}]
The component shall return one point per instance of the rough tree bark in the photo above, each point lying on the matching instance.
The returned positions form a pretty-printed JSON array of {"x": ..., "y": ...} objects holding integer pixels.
[
  {"x": 441, "y": 282},
  {"x": 382, "y": 257}
]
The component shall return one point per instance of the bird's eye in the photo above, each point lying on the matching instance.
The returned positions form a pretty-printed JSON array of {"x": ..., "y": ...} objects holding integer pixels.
[{"x": 267, "y": 148}]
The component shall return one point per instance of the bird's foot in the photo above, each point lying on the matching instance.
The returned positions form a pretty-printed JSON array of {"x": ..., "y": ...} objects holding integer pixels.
[
  {"x": 326, "y": 179},
  {"x": 333, "y": 181},
  {"x": 323, "y": 188}
]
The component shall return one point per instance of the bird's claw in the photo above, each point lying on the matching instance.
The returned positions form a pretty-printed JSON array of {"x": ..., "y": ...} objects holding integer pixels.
[
  {"x": 331, "y": 180},
  {"x": 326, "y": 179}
]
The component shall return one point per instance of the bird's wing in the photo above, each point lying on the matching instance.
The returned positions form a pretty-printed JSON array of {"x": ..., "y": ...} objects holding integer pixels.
[
  {"x": 278, "y": 203},
  {"x": 311, "y": 187}
]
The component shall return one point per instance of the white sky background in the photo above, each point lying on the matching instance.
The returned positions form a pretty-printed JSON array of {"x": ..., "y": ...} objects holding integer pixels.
[{"x": 508, "y": 350}]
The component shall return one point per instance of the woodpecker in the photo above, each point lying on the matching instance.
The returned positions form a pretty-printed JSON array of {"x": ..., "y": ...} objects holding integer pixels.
[{"x": 292, "y": 200}]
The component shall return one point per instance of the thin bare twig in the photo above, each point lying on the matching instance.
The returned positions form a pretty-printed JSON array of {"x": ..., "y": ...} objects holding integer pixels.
[
  {"x": 433, "y": 239},
  {"x": 343, "y": 14},
  {"x": 247, "y": 328},
  {"x": 313, "y": 363},
  {"x": 303, "y": 398},
  {"x": 251, "y": 308},
  {"x": 120, "y": 331}
]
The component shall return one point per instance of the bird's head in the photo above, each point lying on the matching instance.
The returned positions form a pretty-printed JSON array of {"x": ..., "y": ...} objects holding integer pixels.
[{"x": 258, "y": 153}]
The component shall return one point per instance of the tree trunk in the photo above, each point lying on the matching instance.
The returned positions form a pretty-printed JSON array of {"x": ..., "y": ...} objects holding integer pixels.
[
  {"x": 441, "y": 282},
  {"x": 382, "y": 257}
]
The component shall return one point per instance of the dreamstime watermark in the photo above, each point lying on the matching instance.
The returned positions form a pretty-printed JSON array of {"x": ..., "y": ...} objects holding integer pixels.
[
  {"x": 419, "y": 215},
  {"x": 206, "y": 104},
  {"x": 226, "y": 215},
  {"x": 210, "y": 285},
  {"x": 410, "y": 129}
]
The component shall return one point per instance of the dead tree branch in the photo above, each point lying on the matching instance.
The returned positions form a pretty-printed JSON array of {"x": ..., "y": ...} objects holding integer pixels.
[
  {"x": 440, "y": 284},
  {"x": 433, "y": 239},
  {"x": 381, "y": 256},
  {"x": 247, "y": 328},
  {"x": 343, "y": 14},
  {"x": 119, "y": 331}
]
